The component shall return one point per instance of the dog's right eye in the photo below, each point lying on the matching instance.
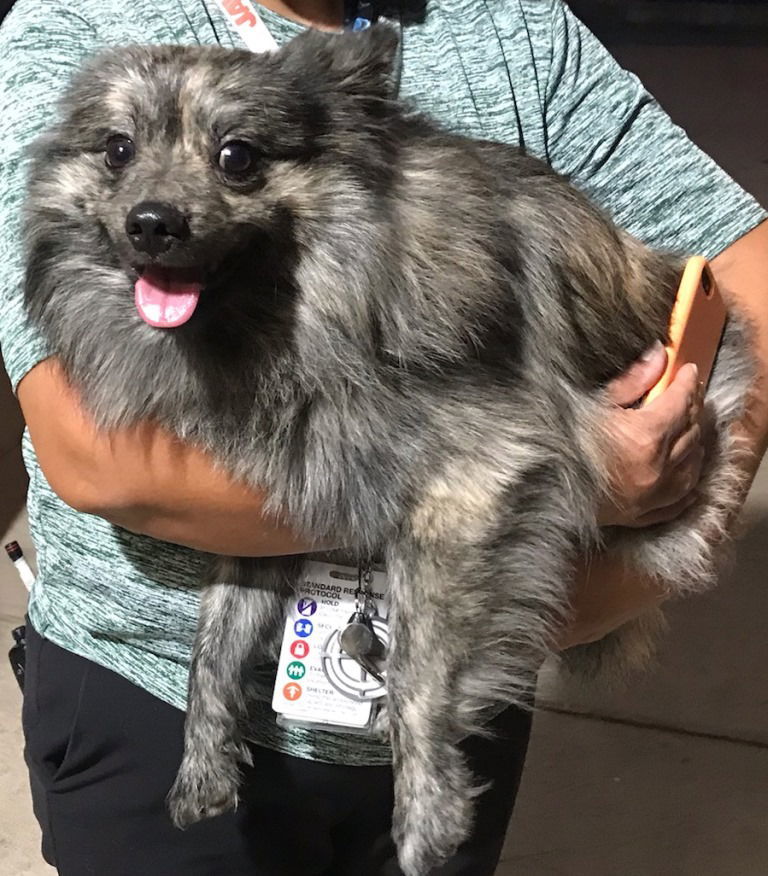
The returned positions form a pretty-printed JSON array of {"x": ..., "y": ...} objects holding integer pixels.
[{"x": 119, "y": 152}]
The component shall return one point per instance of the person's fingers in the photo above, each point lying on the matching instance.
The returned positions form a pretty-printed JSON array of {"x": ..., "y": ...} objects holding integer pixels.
[
  {"x": 685, "y": 444},
  {"x": 664, "y": 501},
  {"x": 667, "y": 514},
  {"x": 678, "y": 406},
  {"x": 641, "y": 376},
  {"x": 677, "y": 484}
]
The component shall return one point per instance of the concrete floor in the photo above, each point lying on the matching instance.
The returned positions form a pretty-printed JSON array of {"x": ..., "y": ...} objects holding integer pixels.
[{"x": 667, "y": 778}]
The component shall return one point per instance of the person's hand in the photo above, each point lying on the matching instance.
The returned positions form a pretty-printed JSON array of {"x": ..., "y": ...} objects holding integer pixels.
[
  {"x": 656, "y": 457},
  {"x": 605, "y": 595},
  {"x": 656, "y": 451}
]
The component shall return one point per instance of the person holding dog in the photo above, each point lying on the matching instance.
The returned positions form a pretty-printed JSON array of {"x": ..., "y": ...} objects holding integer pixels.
[{"x": 123, "y": 520}]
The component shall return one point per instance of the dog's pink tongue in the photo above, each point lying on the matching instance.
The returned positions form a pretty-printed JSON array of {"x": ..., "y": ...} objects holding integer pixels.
[{"x": 163, "y": 302}]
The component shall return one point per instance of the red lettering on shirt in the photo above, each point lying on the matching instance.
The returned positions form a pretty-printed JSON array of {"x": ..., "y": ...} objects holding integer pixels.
[{"x": 240, "y": 13}]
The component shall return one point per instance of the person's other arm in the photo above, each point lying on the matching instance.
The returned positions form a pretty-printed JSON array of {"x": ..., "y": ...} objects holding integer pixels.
[
  {"x": 611, "y": 138},
  {"x": 606, "y": 594},
  {"x": 143, "y": 478}
]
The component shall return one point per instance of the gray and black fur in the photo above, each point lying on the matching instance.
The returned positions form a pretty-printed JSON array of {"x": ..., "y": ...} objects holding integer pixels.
[{"x": 404, "y": 337}]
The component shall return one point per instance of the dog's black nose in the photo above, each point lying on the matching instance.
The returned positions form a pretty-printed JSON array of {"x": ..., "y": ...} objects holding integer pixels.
[{"x": 152, "y": 227}]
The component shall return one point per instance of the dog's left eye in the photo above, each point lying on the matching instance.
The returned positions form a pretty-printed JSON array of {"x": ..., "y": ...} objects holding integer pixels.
[{"x": 236, "y": 158}]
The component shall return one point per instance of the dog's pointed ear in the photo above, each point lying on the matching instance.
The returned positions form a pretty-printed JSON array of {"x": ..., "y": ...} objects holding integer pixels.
[{"x": 362, "y": 62}]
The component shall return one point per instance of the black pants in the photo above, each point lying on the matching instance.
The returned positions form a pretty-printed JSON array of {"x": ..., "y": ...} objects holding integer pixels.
[{"x": 102, "y": 754}]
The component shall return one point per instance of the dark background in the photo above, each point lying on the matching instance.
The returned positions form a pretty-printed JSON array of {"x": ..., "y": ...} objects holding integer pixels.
[{"x": 681, "y": 22}]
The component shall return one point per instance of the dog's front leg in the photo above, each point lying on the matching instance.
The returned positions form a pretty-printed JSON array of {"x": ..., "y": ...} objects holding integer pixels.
[{"x": 241, "y": 615}]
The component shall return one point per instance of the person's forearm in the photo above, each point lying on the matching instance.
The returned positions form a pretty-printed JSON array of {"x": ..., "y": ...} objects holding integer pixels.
[
  {"x": 143, "y": 478},
  {"x": 187, "y": 500},
  {"x": 741, "y": 272},
  {"x": 228, "y": 530}
]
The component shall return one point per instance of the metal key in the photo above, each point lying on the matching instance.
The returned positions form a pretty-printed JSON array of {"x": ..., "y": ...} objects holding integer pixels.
[{"x": 359, "y": 640}]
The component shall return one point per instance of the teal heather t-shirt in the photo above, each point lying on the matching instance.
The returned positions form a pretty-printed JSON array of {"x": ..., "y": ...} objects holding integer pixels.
[{"x": 517, "y": 71}]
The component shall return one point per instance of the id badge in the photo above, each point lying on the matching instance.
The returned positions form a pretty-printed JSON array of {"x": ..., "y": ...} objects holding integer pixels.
[{"x": 317, "y": 684}]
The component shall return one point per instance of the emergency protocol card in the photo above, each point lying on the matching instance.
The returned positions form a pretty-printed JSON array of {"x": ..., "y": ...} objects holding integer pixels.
[{"x": 310, "y": 655}]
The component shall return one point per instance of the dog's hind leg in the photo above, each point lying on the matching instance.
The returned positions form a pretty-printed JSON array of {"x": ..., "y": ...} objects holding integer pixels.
[
  {"x": 241, "y": 615},
  {"x": 474, "y": 601},
  {"x": 433, "y": 786}
]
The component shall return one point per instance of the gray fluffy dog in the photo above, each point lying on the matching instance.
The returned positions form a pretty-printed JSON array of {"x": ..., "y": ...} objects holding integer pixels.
[{"x": 401, "y": 333}]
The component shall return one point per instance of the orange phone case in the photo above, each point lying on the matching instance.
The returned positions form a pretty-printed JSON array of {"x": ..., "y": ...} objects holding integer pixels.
[{"x": 695, "y": 327}]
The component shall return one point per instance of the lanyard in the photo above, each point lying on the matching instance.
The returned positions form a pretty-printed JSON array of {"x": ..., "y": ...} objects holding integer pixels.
[{"x": 243, "y": 17}]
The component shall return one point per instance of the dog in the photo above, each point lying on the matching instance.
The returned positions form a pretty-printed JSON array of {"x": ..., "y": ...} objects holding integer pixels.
[{"x": 402, "y": 334}]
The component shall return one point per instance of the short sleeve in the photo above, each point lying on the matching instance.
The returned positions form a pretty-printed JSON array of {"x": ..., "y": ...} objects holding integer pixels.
[
  {"x": 605, "y": 132},
  {"x": 41, "y": 45}
]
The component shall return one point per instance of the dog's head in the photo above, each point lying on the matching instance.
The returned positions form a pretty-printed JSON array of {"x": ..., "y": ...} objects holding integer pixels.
[{"x": 172, "y": 166}]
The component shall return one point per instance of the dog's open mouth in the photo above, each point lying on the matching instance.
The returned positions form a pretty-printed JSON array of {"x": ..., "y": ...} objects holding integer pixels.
[{"x": 167, "y": 297}]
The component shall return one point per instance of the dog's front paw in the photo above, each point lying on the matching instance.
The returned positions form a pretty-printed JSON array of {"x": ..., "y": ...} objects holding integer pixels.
[
  {"x": 433, "y": 813},
  {"x": 204, "y": 789},
  {"x": 381, "y": 723}
]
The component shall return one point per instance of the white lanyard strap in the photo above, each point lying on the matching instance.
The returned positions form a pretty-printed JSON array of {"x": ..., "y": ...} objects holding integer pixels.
[{"x": 243, "y": 18}]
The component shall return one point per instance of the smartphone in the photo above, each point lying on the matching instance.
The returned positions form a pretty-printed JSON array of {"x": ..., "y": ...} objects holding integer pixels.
[{"x": 696, "y": 325}]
